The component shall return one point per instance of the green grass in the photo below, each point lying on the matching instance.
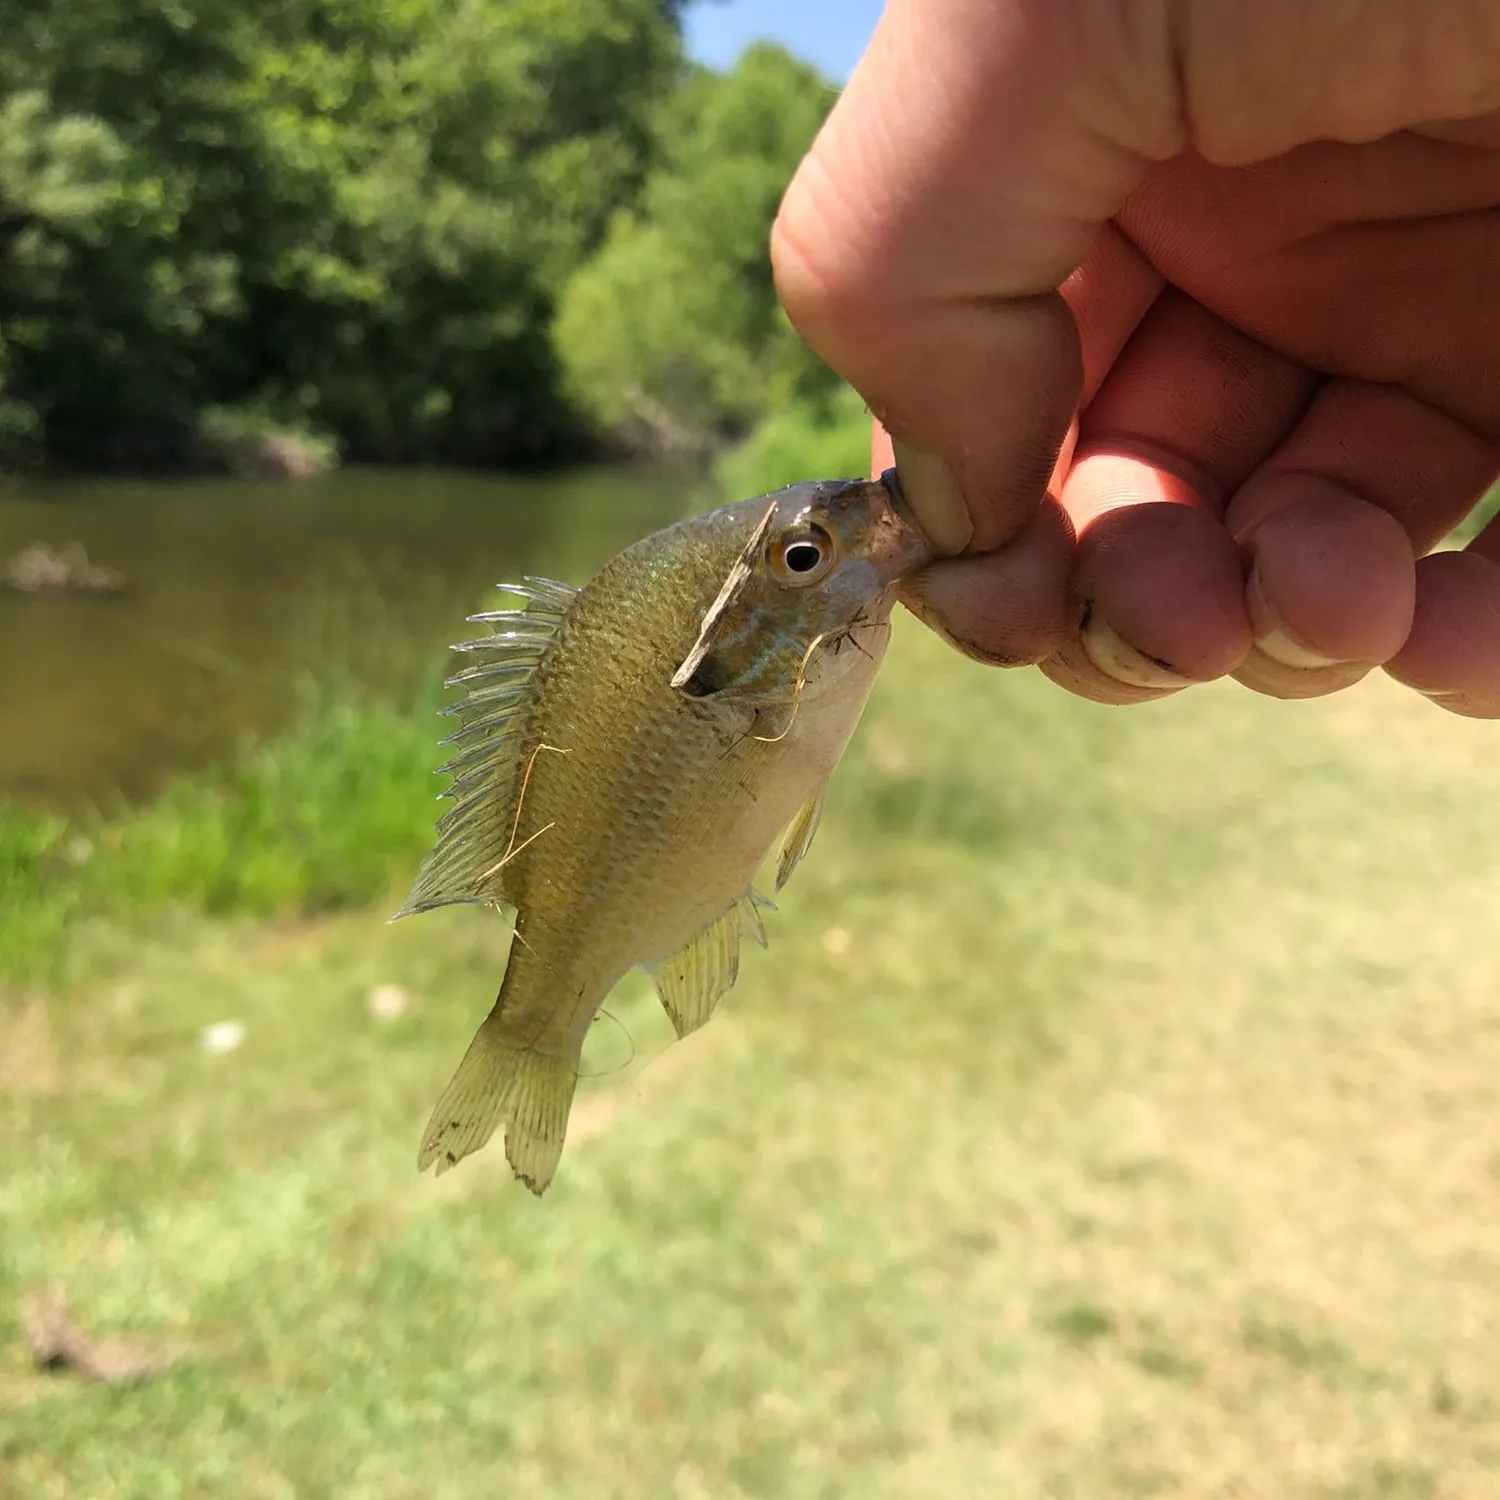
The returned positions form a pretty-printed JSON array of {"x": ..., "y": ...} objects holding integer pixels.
[
  {"x": 1479, "y": 518},
  {"x": 318, "y": 819},
  {"x": 1113, "y": 1115}
]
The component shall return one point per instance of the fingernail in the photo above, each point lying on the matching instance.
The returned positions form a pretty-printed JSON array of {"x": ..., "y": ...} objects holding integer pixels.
[
  {"x": 1454, "y": 699},
  {"x": 1271, "y": 635},
  {"x": 1465, "y": 705},
  {"x": 935, "y": 499},
  {"x": 1117, "y": 658}
]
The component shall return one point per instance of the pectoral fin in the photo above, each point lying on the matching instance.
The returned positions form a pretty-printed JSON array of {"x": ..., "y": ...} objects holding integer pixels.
[
  {"x": 799, "y": 835},
  {"x": 692, "y": 980}
]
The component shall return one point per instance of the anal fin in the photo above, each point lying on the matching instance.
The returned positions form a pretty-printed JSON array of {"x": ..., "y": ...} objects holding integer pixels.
[
  {"x": 748, "y": 910},
  {"x": 692, "y": 980}
]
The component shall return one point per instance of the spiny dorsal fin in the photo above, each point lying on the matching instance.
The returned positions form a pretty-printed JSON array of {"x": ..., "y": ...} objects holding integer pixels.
[
  {"x": 692, "y": 980},
  {"x": 799, "y": 836},
  {"x": 473, "y": 833}
]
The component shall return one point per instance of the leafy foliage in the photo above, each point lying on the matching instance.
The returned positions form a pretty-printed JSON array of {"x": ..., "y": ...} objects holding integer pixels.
[
  {"x": 354, "y": 214},
  {"x": 826, "y": 439},
  {"x": 672, "y": 333}
]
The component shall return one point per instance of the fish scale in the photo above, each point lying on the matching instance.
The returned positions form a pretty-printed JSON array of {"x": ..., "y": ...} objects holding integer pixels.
[{"x": 624, "y": 818}]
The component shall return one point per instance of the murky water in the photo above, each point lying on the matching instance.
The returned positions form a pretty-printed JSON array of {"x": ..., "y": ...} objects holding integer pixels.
[{"x": 237, "y": 593}]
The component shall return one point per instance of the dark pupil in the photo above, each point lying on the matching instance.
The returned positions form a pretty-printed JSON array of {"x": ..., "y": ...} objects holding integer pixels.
[{"x": 803, "y": 557}]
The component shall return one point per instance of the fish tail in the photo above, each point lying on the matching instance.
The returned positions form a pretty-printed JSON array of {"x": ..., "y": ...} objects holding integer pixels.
[
  {"x": 496, "y": 1081},
  {"x": 538, "y": 1124},
  {"x": 474, "y": 1102}
]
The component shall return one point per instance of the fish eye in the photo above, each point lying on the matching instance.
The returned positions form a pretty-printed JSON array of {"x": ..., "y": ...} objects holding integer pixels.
[{"x": 802, "y": 555}]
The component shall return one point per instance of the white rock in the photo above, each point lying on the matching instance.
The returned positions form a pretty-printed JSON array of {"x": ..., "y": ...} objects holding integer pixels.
[
  {"x": 387, "y": 1001},
  {"x": 222, "y": 1036}
]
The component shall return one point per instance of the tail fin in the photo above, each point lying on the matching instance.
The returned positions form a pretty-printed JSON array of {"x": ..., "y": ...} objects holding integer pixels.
[
  {"x": 531, "y": 1091},
  {"x": 539, "y": 1109}
]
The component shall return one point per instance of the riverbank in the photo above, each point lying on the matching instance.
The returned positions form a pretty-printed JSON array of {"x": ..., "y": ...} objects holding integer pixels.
[
  {"x": 334, "y": 805},
  {"x": 242, "y": 604},
  {"x": 1112, "y": 1112},
  {"x": 317, "y": 820},
  {"x": 334, "y": 809},
  {"x": 326, "y": 816}
]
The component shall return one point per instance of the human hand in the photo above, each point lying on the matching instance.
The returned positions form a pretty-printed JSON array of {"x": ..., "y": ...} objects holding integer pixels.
[{"x": 1240, "y": 260}]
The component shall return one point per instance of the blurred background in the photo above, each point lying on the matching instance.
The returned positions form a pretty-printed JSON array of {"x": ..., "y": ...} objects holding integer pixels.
[{"x": 1117, "y": 1110}]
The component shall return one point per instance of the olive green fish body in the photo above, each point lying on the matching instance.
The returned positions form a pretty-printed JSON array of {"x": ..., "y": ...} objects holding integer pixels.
[{"x": 625, "y": 818}]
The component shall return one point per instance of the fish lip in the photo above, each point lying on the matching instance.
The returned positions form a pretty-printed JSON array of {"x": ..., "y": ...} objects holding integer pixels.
[
  {"x": 913, "y": 551},
  {"x": 892, "y": 482}
]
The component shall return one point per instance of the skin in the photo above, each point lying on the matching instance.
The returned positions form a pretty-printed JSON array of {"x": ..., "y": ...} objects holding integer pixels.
[{"x": 1185, "y": 320}]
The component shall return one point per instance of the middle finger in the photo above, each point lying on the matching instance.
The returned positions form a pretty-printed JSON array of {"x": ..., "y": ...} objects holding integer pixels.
[{"x": 1189, "y": 410}]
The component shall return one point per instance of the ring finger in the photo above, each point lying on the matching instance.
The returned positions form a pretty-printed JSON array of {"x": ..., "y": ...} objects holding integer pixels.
[{"x": 1189, "y": 410}]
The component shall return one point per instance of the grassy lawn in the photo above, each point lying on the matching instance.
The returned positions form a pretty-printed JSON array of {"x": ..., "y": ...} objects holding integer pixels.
[{"x": 1117, "y": 1113}]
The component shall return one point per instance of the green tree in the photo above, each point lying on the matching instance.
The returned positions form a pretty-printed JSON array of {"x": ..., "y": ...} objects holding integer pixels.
[
  {"x": 351, "y": 214},
  {"x": 671, "y": 336}
]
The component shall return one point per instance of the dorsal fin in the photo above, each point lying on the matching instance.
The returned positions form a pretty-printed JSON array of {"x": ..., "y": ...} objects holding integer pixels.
[{"x": 472, "y": 834}]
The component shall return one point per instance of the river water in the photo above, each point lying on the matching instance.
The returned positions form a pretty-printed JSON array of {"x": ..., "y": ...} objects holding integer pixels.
[{"x": 238, "y": 593}]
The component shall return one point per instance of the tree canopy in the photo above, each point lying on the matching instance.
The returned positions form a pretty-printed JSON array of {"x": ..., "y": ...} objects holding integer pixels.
[
  {"x": 361, "y": 217},
  {"x": 673, "y": 328}
]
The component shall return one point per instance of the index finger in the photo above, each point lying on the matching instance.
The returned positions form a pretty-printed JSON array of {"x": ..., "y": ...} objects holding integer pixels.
[{"x": 965, "y": 172}]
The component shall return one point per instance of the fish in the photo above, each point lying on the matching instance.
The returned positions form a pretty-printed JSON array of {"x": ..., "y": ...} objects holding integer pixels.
[{"x": 628, "y": 757}]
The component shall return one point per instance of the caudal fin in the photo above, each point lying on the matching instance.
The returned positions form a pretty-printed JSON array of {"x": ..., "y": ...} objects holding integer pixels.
[
  {"x": 538, "y": 1123},
  {"x": 531, "y": 1092}
]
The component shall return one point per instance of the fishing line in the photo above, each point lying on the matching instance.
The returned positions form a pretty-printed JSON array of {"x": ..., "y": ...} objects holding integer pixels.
[
  {"x": 606, "y": 1072},
  {"x": 512, "y": 849},
  {"x": 797, "y": 690}
]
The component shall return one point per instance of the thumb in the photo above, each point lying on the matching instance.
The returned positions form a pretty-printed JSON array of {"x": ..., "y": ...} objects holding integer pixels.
[{"x": 964, "y": 173}]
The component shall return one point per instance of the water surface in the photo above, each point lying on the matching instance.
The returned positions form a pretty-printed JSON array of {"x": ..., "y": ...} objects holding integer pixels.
[{"x": 238, "y": 593}]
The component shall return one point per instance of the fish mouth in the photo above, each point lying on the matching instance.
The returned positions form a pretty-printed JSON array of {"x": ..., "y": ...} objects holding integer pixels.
[
  {"x": 902, "y": 546},
  {"x": 892, "y": 482}
]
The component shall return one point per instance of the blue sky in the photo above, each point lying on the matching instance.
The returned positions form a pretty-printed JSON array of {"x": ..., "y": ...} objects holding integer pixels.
[{"x": 828, "y": 33}]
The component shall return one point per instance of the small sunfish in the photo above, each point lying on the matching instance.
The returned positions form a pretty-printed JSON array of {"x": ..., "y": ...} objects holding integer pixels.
[{"x": 628, "y": 755}]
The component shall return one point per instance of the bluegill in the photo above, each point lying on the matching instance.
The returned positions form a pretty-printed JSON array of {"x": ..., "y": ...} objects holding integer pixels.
[{"x": 627, "y": 757}]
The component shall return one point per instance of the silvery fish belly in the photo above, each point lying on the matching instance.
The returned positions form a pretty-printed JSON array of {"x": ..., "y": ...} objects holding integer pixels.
[{"x": 627, "y": 756}]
